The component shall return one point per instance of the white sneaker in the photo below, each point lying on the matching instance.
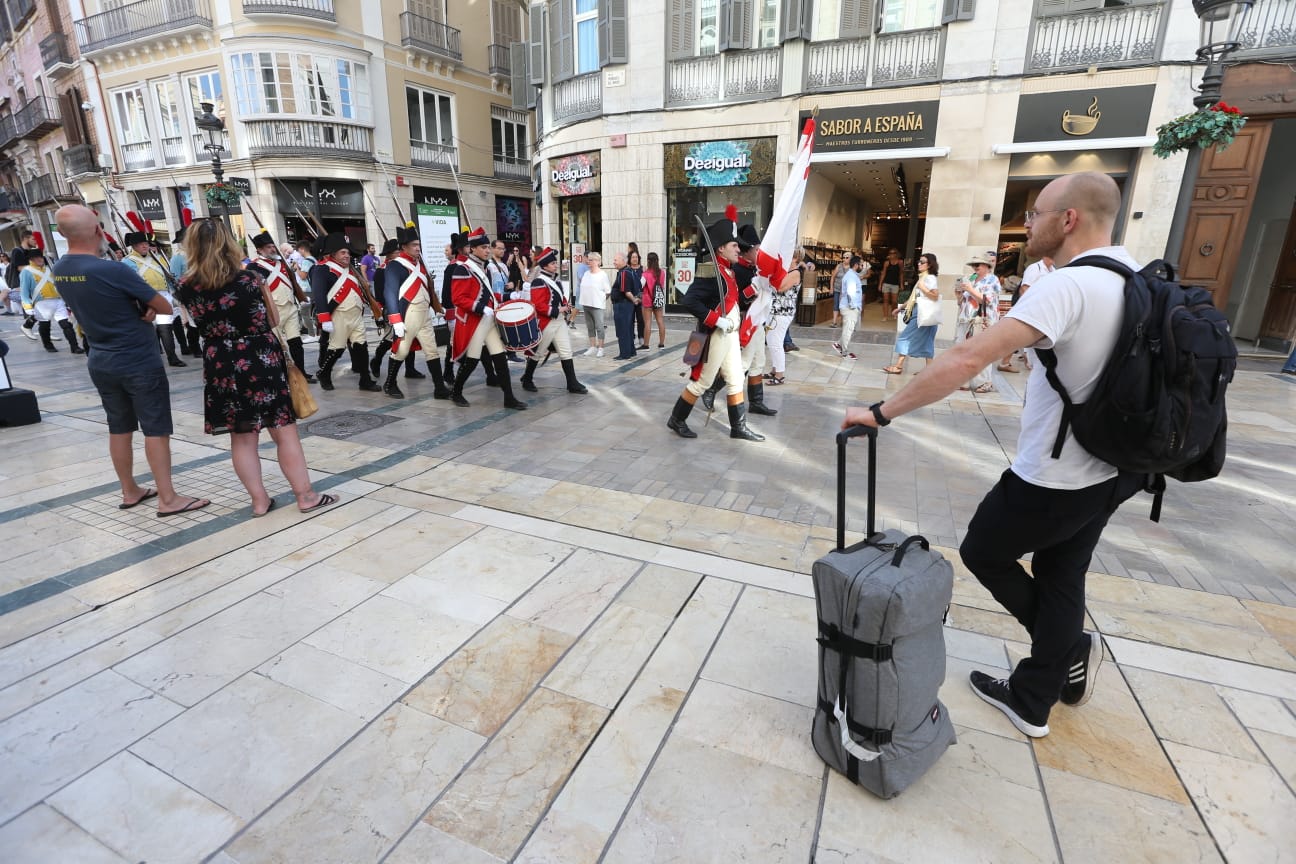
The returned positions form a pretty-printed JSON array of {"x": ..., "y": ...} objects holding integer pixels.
[
  {"x": 29, "y": 331},
  {"x": 600, "y": 353},
  {"x": 590, "y": 352}
]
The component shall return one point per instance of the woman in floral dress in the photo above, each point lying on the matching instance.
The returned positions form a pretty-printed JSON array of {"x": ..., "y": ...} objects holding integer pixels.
[{"x": 244, "y": 376}]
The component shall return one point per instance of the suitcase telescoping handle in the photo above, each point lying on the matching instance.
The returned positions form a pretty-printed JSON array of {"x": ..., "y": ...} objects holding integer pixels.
[{"x": 842, "y": 437}]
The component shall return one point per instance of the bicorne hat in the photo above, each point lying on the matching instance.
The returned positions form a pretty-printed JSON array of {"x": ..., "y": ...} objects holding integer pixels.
[
  {"x": 134, "y": 237},
  {"x": 335, "y": 242},
  {"x": 548, "y": 256},
  {"x": 477, "y": 238},
  {"x": 262, "y": 239},
  {"x": 748, "y": 238}
]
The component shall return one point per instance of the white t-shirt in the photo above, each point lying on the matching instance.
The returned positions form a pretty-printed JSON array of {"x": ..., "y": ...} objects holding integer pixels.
[
  {"x": 595, "y": 289},
  {"x": 1079, "y": 311},
  {"x": 1036, "y": 272}
]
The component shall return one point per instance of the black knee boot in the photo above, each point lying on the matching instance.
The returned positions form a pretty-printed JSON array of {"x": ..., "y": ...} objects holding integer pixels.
[
  {"x": 195, "y": 347},
  {"x": 488, "y": 366},
  {"x": 466, "y": 367},
  {"x": 527, "y": 383},
  {"x": 168, "y": 344},
  {"x": 389, "y": 386},
  {"x": 441, "y": 391},
  {"x": 375, "y": 365},
  {"x": 70, "y": 335},
  {"x": 410, "y": 370},
  {"x": 679, "y": 417},
  {"x": 756, "y": 398},
  {"x": 43, "y": 327},
  {"x": 181, "y": 338},
  {"x": 708, "y": 395},
  {"x": 295, "y": 351},
  {"x": 738, "y": 424},
  {"x": 360, "y": 360},
  {"x": 325, "y": 374},
  {"x": 569, "y": 371},
  {"x": 500, "y": 361}
]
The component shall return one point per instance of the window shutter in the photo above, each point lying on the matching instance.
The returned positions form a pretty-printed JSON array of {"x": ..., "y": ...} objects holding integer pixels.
[
  {"x": 613, "y": 48},
  {"x": 535, "y": 62},
  {"x": 683, "y": 29},
  {"x": 562, "y": 45},
  {"x": 966, "y": 10},
  {"x": 70, "y": 108},
  {"x": 741, "y": 13},
  {"x": 794, "y": 20},
  {"x": 857, "y": 18},
  {"x": 519, "y": 77}
]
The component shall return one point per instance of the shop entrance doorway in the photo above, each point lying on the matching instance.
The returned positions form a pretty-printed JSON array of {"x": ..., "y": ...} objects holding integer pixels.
[
  {"x": 1278, "y": 324},
  {"x": 580, "y": 230}
]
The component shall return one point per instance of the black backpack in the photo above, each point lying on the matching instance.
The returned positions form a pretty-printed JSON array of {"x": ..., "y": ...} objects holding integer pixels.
[{"x": 1158, "y": 409}]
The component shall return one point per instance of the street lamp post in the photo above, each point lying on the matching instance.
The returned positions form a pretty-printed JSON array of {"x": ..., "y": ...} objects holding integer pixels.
[
  {"x": 214, "y": 128},
  {"x": 1221, "y": 28}
]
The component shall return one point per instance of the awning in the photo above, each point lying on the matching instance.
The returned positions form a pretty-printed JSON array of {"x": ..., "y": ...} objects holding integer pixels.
[
  {"x": 1075, "y": 144},
  {"x": 880, "y": 155}
]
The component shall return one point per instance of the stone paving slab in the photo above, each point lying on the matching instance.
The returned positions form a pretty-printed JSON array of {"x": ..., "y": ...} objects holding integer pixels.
[{"x": 566, "y": 636}]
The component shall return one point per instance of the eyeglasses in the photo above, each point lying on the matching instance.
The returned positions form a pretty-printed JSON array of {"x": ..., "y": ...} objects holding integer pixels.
[{"x": 1032, "y": 215}]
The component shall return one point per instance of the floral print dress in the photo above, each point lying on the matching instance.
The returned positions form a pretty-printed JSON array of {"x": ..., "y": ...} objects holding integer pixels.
[{"x": 245, "y": 382}]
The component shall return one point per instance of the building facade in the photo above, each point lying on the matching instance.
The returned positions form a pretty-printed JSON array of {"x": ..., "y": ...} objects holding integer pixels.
[
  {"x": 45, "y": 136},
  {"x": 941, "y": 120},
  {"x": 356, "y": 116}
]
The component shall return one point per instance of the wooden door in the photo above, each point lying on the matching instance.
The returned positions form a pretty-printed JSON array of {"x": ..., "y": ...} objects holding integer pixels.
[
  {"x": 1278, "y": 325},
  {"x": 1222, "y": 199}
]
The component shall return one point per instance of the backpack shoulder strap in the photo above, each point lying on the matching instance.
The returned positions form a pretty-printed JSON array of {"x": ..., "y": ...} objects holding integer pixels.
[
  {"x": 1104, "y": 262},
  {"x": 1048, "y": 357}
]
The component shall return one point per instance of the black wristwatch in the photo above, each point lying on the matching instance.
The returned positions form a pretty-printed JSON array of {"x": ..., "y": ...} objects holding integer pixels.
[{"x": 876, "y": 408}]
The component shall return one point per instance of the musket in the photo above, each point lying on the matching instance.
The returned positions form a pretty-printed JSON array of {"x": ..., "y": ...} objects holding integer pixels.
[
  {"x": 167, "y": 276},
  {"x": 365, "y": 292},
  {"x": 297, "y": 292},
  {"x": 374, "y": 208}
]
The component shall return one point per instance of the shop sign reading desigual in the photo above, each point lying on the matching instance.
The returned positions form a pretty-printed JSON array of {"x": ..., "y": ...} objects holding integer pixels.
[
  {"x": 706, "y": 164},
  {"x": 874, "y": 127},
  {"x": 577, "y": 174}
]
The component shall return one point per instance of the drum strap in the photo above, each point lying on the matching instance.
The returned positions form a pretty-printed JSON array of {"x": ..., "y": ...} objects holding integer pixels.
[
  {"x": 480, "y": 275},
  {"x": 556, "y": 298}
]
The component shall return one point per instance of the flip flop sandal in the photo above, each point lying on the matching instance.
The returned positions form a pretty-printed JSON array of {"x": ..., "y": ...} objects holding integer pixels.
[
  {"x": 324, "y": 501},
  {"x": 893, "y": 370},
  {"x": 194, "y": 504},
  {"x": 148, "y": 493},
  {"x": 985, "y": 388},
  {"x": 774, "y": 382},
  {"x": 267, "y": 510}
]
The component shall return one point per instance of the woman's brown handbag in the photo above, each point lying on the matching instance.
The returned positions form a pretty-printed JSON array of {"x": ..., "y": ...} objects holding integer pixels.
[
  {"x": 303, "y": 403},
  {"x": 697, "y": 341}
]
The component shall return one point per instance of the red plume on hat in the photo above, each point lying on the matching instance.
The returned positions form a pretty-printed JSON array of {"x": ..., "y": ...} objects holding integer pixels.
[
  {"x": 731, "y": 213},
  {"x": 186, "y": 217},
  {"x": 136, "y": 222}
]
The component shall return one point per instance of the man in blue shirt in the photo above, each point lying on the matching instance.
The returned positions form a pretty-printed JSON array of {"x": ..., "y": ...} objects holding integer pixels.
[
  {"x": 852, "y": 301},
  {"x": 116, "y": 309},
  {"x": 370, "y": 263}
]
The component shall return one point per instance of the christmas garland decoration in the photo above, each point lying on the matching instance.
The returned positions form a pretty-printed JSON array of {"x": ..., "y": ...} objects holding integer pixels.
[
  {"x": 222, "y": 193},
  {"x": 1214, "y": 126}
]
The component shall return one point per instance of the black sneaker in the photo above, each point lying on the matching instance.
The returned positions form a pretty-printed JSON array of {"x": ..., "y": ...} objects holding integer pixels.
[
  {"x": 997, "y": 693},
  {"x": 1082, "y": 673}
]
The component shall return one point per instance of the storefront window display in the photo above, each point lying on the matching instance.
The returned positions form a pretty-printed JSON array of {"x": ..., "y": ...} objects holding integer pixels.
[
  {"x": 576, "y": 183},
  {"x": 702, "y": 178}
]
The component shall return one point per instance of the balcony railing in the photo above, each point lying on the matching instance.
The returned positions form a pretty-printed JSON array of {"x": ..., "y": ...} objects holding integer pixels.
[
  {"x": 10, "y": 199},
  {"x": 200, "y": 146},
  {"x": 430, "y": 154},
  {"x": 173, "y": 152},
  {"x": 138, "y": 155},
  {"x": 55, "y": 55},
  {"x": 512, "y": 167},
  {"x": 578, "y": 98},
  {"x": 911, "y": 57},
  {"x": 46, "y": 187},
  {"x": 308, "y": 138},
  {"x": 429, "y": 36},
  {"x": 80, "y": 160},
  {"x": 1270, "y": 29},
  {"x": 8, "y": 132},
  {"x": 1118, "y": 36},
  {"x": 734, "y": 76},
  {"x": 36, "y": 118},
  {"x": 838, "y": 65},
  {"x": 321, "y": 9},
  {"x": 136, "y": 21},
  {"x": 499, "y": 60}
]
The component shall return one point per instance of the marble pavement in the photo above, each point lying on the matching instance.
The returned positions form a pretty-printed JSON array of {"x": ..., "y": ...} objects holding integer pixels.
[{"x": 564, "y": 635}]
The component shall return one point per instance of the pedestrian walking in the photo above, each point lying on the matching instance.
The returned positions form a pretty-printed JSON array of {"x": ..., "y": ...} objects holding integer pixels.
[
  {"x": 852, "y": 302},
  {"x": 978, "y": 310},
  {"x": 838, "y": 274},
  {"x": 245, "y": 380},
  {"x": 1053, "y": 509},
  {"x": 918, "y": 339},
  {"x": 890, "y": 280},
  {"x": 41, "y": 300},
  {"x": 782, "y": 312},
  {"x": 116, "y": 308},
  {"x": 595, "y": 289}
]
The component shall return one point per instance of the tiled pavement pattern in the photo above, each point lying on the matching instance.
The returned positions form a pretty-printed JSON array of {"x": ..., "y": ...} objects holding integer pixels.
[{"x": 515, "y": 640}]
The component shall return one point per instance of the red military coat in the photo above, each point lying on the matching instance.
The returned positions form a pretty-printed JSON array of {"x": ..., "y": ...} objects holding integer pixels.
[{"x": 470, "y": 291}]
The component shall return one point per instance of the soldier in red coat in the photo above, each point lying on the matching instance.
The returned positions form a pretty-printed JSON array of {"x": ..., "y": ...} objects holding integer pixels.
[
  {"x": 474, "y": 313},
  {"x": 546, "y": 295}
]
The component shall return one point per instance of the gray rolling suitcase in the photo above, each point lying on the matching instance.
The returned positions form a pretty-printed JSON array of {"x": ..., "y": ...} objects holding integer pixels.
[{"x": 881, "y": 606}]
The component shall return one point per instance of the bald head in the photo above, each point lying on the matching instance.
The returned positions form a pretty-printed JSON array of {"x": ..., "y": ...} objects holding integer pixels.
[
  {"x": 1093, "y": 194},
  {"x": 77, "y": 223}
]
